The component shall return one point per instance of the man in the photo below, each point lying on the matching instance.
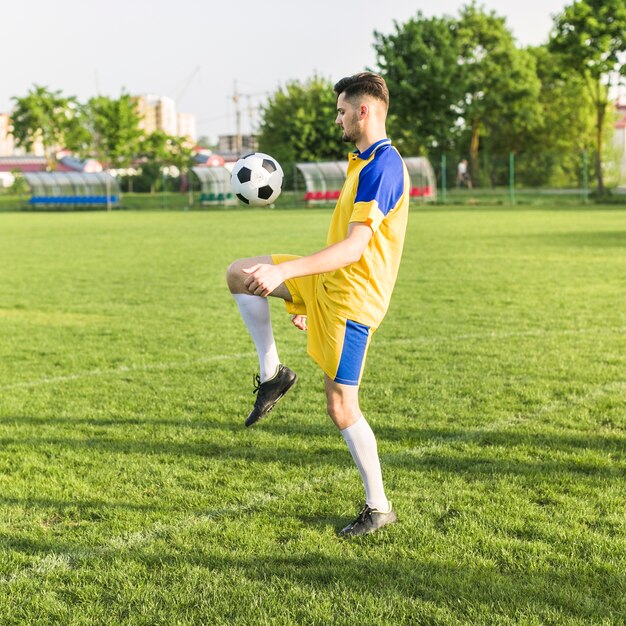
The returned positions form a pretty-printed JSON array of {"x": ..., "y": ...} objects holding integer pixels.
[
  {"x": 341, "y": 293},
  {"x": 462, "y": 175}
]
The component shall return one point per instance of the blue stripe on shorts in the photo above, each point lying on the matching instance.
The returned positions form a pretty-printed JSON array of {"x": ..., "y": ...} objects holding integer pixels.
[{"x": 352, "y": 353}]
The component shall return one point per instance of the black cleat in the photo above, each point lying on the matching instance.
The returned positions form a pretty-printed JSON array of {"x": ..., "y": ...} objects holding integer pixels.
[
  {"x": 368, "y": 521},
  {"x": 270, "y": 392}
]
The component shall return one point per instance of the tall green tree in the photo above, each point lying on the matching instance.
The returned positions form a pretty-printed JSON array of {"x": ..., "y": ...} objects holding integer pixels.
[
  {"x": 590, "y": 36},
  {"x": 500, "y": 84},
  {"x": 568, "y": 123},
  {"x": 114, "y": 129},
  {"x": 459, "y": 84},
  {"x": 419, "y": 62},
  {"x": 49, "y": 117},
  {"x": 298, "y": 124}
]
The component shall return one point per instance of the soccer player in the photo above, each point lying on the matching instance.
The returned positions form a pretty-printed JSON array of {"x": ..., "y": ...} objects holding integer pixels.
[{"x": 341, "y": 293}]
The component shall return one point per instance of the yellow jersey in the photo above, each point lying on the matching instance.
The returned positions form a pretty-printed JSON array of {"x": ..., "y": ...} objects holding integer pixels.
[{"x": 375, "y": 192}]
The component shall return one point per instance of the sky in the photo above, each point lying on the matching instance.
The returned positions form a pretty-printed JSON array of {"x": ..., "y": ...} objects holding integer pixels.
[{"x": 201, "y": 53}]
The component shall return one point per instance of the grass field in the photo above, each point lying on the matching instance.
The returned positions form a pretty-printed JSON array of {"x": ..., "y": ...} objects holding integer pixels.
[{"x": 130, "y": 493}]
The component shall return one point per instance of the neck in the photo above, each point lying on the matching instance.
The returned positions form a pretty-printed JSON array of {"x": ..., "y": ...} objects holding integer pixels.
[{"x": 369, "y": 138}]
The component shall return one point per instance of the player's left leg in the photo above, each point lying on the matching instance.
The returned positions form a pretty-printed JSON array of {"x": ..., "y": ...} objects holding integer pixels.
[
  {"x": 274, "y": 379},
  {"x": 255, "y": 312},
  {"x": 343, "y": 408}
]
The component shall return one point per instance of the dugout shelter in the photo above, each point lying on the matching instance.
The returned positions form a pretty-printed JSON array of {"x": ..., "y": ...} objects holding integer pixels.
[
  {"x": 72, "y": 190},
  {"x": 215, "y": 186},
  {"x": 323, "y": 181}
]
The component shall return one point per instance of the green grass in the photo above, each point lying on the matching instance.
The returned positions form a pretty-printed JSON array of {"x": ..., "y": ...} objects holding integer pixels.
[{"x": 130, "y": 493}]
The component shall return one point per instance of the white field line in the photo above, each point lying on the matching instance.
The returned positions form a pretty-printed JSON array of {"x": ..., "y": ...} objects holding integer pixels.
[
  {"x": 42, "y": 566},
  {"x": 143, "y": 537},
  {"x": 125, "y": 369}
]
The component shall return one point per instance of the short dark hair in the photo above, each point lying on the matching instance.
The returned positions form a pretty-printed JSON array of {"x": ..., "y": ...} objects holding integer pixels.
[{"x": 363, "y": 84}]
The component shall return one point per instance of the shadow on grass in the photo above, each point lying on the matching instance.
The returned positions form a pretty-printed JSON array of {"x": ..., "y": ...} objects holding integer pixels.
[
  {"x": 287, "y": 423},
  {"x": 486, "y": 591},
  {"x": 198, "y": 423},
  {"x": 89, "y": 506},
  {"x": 611, "y": 442},
  {"x": 466, "y": 590},
  {"x": 393, "y": 567},
  {"x": 317, "y": 444},
  {"x": 588, "y": 239},
  {"x": 249, "y": 449}
]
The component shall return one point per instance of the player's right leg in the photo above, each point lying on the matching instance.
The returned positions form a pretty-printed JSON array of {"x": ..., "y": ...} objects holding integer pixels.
[
  {"x": 274, "y": 379},
  {"x": 343, "y": 408},
  {"x": 342, "y": 350}
]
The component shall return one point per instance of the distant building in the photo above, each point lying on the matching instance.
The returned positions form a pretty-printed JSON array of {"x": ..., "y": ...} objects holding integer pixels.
[
  {"x": 203, "y": 156},
  {"x": 159, "y": 113},
  {"x": 167, "y": 120},
  {"x": 187, "y": 126},
  {"x": 146, "y": 108},
  {"x": 228, "y": 148},
  {"x": 32, "y": 163},
  {"x": 7, "y": 143}
]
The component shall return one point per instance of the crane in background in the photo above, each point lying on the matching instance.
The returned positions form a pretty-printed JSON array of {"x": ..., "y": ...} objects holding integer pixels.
[
  {"x": 186, "y": 85},
  {"x": 236, "y": 98}
]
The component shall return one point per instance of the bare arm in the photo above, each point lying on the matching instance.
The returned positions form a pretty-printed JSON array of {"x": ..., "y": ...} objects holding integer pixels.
[{"x": 264, "y": 278}]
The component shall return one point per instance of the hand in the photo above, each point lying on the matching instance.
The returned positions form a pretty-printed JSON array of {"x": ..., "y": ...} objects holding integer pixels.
[
  {"x": 299, "y": 321},
  {"x": 263, "y": 279}
]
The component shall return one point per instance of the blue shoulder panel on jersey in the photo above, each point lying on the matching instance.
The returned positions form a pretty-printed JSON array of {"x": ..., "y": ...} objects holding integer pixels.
[
  {"x": 382, "y": 179},
  {"x": 366, "y": 154}
]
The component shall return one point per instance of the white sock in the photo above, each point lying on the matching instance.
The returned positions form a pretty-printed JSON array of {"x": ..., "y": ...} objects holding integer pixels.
[
  {"x": 255, "y": 312},
  {"x": 362, "y": 445}
]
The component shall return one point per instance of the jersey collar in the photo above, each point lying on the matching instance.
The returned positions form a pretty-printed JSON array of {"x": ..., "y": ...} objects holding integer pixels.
[{"x": 366, "y": 154}]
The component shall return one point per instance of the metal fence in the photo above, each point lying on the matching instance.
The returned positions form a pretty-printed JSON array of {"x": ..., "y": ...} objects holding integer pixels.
[{"x": 516, "y": 178}]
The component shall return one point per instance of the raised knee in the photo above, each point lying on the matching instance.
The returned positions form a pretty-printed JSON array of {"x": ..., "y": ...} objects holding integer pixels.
[{"x": 234, "y": 276}]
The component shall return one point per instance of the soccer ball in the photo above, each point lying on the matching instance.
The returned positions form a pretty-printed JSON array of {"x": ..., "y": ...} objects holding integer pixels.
[{"x": 257, "y": 179}]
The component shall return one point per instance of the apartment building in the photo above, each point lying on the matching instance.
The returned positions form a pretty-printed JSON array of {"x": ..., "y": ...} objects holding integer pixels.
[
  {"x": 7, "y": 143},
  {"x": 159, "y": 113}
]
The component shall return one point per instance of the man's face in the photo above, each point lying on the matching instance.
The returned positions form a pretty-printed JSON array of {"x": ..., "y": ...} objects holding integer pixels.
[{"x": 348, "y": 119}]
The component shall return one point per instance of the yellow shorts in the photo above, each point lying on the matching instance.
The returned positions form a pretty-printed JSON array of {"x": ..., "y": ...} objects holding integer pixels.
[{"x": 337, "y": 344}]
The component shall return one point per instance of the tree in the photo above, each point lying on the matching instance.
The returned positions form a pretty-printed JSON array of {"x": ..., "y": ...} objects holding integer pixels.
[
  {"x": 419, "y": 62},
  {"x": 590, "y": 36},
  {"x": 458, "y": 84},
  {"x": 49, "y": 117},
  {"x": 298, "y": 124},
  {"x": 568, "y": 123},
  {"x": 500, "y": 84},
  {"x": 160, "y": 150},
  {"x": 114, "y": 129}
]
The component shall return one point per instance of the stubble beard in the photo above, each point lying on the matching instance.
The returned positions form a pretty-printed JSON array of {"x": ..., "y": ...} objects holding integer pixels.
[{"x": 350, "y": 136}]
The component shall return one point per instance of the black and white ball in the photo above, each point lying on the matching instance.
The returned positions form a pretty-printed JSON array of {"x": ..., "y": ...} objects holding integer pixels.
[{"x": 257, "y": 179}]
